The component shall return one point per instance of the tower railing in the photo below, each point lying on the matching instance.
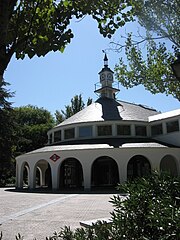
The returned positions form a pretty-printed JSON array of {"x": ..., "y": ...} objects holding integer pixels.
[{"x": 99, "y": 85}]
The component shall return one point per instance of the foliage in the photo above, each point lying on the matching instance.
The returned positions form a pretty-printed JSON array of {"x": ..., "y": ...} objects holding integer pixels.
[
  {"x": 149, "y": 60},
  {"x": 5, "y": 95},
  {"x": 77, "y": 104},
  {"x": 151, "y": 210},
  {"x": 32, "y": 126},
  {"x": 161, "y": 17},
  {"x": 154, "y": 71},
  {"x": 7, "y": 137},
  {"x": 38, "y": 27}
]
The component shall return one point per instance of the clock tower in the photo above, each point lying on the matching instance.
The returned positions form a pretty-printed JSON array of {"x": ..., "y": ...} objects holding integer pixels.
[{"x": 106, "y": 82}]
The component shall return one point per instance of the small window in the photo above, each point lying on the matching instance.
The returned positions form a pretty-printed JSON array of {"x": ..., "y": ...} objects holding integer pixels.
[
  {"x": 105, "y": 130},
  {"x": 172, "y": 126},
  {"x": 156, "y": 129},
  {"x": 140, "y": 130},
  {"x": 85, "y": 131},
  {"x": 50, "y": 138},
  {"x": 123, "y": 130},
  {"x": 69, "y": 133},
  {"x": 57, "y": 136}
]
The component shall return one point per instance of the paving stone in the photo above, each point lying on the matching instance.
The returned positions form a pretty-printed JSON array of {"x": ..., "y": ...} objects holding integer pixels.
[{"x": 37, "y": 215}]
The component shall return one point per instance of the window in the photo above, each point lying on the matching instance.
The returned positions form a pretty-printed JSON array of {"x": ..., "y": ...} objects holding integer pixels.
[
  {"x": 85, "y": 131},
  {"x": 172, "y": 126},
  {"x": 57, "y": 136},
  {"x": 156, "y": 129},
  {"x": 104, "y": 130},
  {"x": 140, "y": 130},
  {"x": 69, "y": 133},
  {"x": 123, "y": 130},
  {"x": 50, "y": 138}
]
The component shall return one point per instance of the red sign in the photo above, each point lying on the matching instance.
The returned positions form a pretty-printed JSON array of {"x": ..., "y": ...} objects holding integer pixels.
[{"x": 54, "y": 157}]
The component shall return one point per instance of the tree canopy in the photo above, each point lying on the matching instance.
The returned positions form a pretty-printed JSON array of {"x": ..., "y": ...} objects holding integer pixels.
[
  {"x": 32, "y": 126},
  {"x": 150, "y": 57},
  {"x": 38, "y": 27},
  {"x": 77, "y": 104},
  {"x": 7, "y": 137}
]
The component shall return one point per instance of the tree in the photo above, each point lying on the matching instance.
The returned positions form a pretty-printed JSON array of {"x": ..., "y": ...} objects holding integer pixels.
[
  {"x": 38, "y": 27},
  {"x": 32, "y": 126},
  {"x": 7, "y": 138},
  {"x": 77, "y": 104},
  {"x": 150, "y": 64}
]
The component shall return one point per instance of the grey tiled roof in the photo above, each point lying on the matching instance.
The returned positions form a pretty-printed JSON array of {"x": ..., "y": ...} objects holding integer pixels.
[
  {"x": 105, "y": 109},
  {"x": 96, "y": 146},
  {"x": 115, "y": 142}
]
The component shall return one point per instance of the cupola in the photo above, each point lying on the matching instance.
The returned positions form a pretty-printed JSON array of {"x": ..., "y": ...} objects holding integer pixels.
[{"x": 106, "y": 85}]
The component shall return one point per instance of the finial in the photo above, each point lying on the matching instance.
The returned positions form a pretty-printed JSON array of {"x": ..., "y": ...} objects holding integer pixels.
[{"x": 105, "y": 59}]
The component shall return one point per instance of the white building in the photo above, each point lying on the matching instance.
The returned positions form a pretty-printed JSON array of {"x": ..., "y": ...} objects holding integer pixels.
[{"x": 106, "y": 143}]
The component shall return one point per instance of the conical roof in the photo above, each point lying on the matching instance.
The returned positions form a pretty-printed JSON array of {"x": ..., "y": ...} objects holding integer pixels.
[{"x": 107, "y": 109}]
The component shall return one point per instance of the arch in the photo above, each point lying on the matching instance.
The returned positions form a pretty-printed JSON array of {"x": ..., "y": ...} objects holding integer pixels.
[
  {"x": 25, "y": 175},
  {"x": 138, "y": 166},
  {"x": 71, "y": 174},
  {"x": 168, "y": 164},
  {"x": 104, "y": 172},
  {"x": 43, "y": 174}
]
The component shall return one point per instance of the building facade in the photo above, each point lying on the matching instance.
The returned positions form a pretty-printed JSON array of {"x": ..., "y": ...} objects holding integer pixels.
[{"x": 106, "y": 143}]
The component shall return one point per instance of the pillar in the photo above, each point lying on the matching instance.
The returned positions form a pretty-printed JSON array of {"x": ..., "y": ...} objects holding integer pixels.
[{"x": 54, "y": 175}]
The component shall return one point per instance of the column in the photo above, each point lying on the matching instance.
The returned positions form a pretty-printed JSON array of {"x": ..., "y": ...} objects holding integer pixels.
[
  {"x": 32, "y": 175},
  {"x": 86, "y": 166},
  {"x": 54, "y": 174}
]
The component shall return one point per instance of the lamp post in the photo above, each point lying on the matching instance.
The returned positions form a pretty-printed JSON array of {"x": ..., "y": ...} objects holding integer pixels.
[{"x": 176, "y": 67}]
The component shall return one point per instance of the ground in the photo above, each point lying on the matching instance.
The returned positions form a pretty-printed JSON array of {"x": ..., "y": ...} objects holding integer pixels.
[{"x": 37, "y": 215}]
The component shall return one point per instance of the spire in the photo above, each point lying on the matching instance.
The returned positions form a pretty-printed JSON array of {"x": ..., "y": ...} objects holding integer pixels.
[{"x": 105, "y": 61}]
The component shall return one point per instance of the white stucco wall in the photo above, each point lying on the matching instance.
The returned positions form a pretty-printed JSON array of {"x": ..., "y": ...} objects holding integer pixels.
[{"x": 87, "y": 156}]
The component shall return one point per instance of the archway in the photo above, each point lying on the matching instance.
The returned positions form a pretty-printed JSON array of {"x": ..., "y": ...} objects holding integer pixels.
[
  {"x": 71, "y": 174},
  {"x": 25, "y": 181},
  {"x": 43, "y": 175},
  {"x": 168, "y": 164},
  {"x": 138, "y": 166},
  {"x": 104, "y": 173}
]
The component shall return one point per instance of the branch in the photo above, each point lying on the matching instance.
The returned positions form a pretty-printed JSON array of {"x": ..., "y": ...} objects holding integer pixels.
[
  {"x": 119, "y": 46},
  {"x": 30, "y": 25}
]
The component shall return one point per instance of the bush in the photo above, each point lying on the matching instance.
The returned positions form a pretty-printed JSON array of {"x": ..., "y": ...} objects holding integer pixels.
[{"x": 151, "y": 210}]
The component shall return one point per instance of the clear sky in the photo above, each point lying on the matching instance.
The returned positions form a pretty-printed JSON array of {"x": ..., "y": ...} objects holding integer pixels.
[{"x": 51, "y": 81}]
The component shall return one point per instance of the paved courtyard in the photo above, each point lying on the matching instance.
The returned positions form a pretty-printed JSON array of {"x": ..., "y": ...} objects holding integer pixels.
[{"x": 37, "y": 215}]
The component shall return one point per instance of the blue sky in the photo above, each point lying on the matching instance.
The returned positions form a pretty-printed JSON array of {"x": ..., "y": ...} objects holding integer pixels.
[{"x": 51, "y": 81}]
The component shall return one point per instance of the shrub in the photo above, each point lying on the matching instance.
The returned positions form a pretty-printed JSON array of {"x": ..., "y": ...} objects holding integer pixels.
[{"x": 151, "y": 210}]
